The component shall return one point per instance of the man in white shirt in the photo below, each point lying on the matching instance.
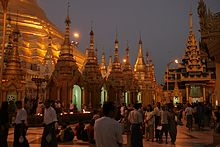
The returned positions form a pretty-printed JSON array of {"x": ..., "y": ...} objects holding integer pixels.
[
  {"x": 136, "y": 120},
  {"x": 107, "y": 131},
  {"x": 20, "y": 129},
  {"x": 50, "y": 118}
]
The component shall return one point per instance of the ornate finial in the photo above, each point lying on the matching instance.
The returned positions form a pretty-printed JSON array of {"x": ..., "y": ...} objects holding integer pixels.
[
  {"x": 147, "y": 54},
  {"x": 67, "y": 21},
  {"x": 68, "y": 6},
  {"x": 190, "y": 14},
  {"x": 151, "y": 58},
  {"x": 116, "y": 33},
  {"x": 140, "y": 41},
  {"x": 92, "y": 24},
  {"x": 127, "y": 49},
  {"x": 91, "y": 32}
]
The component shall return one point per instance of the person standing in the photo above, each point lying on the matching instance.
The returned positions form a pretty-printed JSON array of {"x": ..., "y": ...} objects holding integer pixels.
[
  {"x": 107, "y": 131},
  {"x": 136, "y": 120},
  {"x": 4, "y": 124},
  {"x": 157, "y": 110},
  {"x": 164, "y": 123},
  {"x": 189, "y": 117},
  {"x": 149, "y": 123},
  {"x": 50, "y": 119},
  {"x": 20, "y": 129},
  {"x": 172, "y": 124}
]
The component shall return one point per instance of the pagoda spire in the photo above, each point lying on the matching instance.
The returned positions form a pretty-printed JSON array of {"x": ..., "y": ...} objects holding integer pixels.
[
  {"x": 116, "y": 63},
  {"x": 116, "y": 56},
  {"x": 49, "y": 62},
  {"x": 13, "y": 68},
  {"x": 66, "y": 49},
  {"x": 109, "y": 69},
  {"x": 147, "y": 57},
  {"x": 91, "y": 55},
  {"x": 103, "y": 64},
  {"x": 127, "y": 65},
  {"x": 139, "y": 65},
  {"x": 9, "y": 39},
  {"x": 191, "y": 19},
  {"x": 151, "y": 57},
  {"x": 67, "y": 21},
  {"x": 103, "y": 58},
  {"x": 192, "y": 52}
]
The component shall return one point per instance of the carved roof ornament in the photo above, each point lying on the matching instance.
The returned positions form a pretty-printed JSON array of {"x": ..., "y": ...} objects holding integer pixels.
[{"x": 192, "y": 58}]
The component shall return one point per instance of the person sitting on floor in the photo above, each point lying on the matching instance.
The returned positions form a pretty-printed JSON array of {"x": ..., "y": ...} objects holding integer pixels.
[
  {"x": 81, "y": 133},
  {"x": 66, "y": 133}
]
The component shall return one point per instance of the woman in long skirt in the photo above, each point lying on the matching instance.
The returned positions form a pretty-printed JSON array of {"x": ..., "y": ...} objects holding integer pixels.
[
  {"x": 172, "y": 125},
  {"x": 149, "y": 123}
]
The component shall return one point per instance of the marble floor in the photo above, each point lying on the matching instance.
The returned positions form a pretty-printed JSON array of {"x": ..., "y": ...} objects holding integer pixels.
[{"x": 185, "y": 138}]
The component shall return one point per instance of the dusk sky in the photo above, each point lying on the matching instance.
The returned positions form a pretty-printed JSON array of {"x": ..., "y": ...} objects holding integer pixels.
[{"x": 163, "y": 24}]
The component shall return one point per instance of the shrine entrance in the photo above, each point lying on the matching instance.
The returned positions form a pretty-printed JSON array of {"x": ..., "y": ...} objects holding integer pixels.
[
  {"x": 77, "y": 97},
  {"x": 104, "y": 95}
]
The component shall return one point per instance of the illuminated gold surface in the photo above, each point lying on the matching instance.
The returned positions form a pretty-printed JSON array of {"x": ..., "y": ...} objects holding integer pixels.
[{"x": 35, "y": 29}]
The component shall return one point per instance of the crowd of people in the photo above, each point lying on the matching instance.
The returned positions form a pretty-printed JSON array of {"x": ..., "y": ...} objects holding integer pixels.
[{"x": 138, "y": 123}]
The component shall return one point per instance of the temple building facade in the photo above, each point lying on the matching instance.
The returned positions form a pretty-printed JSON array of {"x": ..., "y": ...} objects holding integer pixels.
[
  {"x": 42, "y": 63},
  {"x": 194, "y": 78},
  {"x": 210, "y": 42},
  {"x": 38, "y": 45}
]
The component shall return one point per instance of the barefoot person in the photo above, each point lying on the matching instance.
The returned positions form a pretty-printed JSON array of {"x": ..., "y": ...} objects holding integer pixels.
[
  {"x": 20, "y": 129},
  {"x": 50, "y": 118}
]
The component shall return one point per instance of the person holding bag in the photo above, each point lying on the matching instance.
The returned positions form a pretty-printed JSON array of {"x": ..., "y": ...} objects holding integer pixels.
[
  {"x": 20, "y": 129},
  {"x": 50, "y": 119}
]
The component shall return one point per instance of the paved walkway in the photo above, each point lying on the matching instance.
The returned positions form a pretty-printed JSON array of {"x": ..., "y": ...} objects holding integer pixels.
[{"x": 184, "y": 139}]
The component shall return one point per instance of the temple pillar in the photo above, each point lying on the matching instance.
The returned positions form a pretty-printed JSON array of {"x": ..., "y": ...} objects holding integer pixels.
[
  {"x": 217, "y": 84},
  {"x": 70, "y": 94},
  {"x": 187, "y": 92},
  {"x": 83, "y": 97},
  {"x": 203, "y": 91}
]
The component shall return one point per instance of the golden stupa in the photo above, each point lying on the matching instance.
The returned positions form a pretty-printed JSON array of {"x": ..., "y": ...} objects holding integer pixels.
[{"x": 37, "y": 35}]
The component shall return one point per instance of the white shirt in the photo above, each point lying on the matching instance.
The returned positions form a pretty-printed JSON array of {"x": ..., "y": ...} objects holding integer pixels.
[
  {"x": 135, "y": 117},
  {"x": 50, "y": 115},
  {"x": 108, "y": 132},
  {"x": 21, "y": 115},
  {"x": 164, "y": 117}
]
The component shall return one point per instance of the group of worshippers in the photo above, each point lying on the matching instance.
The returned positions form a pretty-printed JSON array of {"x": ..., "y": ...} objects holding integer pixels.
[
  {"x": 161, "y": 119},
  {"x": 153, "y": 123},
  {"x": 21, "y": 126}
]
